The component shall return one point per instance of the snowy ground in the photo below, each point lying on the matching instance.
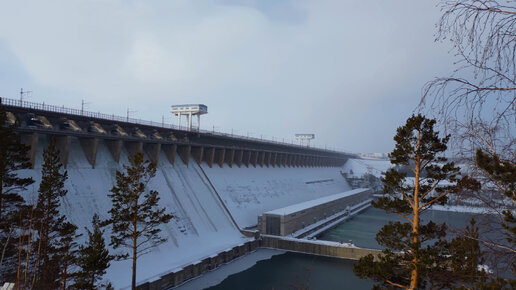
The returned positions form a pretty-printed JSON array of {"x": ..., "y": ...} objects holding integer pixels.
[
  {"x": 465, "y": 209},
  {"x": 201, "y": 226},
  {"x": 359, "y": 167},
  {"x": 249, "y": 192}
]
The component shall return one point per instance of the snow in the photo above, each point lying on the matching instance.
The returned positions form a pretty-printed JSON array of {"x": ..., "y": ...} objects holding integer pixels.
[
  {"x": 249, "y": 192},
  {"x": 359, "y": 167},
  {"x": 464, "y": 209},
  {"x": 218, "y": 275},
  {"x": 200, "y": 228},
  {"x": 312, "y": 203}
]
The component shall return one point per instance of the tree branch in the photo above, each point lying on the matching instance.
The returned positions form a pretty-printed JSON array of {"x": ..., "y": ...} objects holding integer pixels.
[{"x": 435, "y": 199}]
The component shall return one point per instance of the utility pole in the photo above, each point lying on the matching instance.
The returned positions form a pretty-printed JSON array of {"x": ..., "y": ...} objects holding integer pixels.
[
  {"x": 129, "y": 112},
  {"x": 83, "y": 104},
  {"x": 22, "y": 93}
]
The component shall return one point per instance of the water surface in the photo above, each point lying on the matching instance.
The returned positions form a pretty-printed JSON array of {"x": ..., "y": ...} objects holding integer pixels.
[
  {"x": 362, "y": 228},
  {"x": 296, "y": 271}
]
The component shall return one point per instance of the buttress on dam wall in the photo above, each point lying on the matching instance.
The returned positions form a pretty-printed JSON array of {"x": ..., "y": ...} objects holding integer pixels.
[{"x": 201, "y": 226}]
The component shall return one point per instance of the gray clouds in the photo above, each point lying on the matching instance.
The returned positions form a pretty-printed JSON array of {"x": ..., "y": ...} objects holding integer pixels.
[{"x": 348, "y": 71}]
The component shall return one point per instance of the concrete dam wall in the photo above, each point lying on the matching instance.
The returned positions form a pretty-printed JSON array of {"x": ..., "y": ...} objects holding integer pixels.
[{"x": 201, "y": 226}]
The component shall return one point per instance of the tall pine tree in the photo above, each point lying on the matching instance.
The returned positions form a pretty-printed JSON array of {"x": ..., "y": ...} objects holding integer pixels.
[
  {"x": 67, "y": 253},
  {"x": 49, "y": 219},
  {"x": 414, "y": 251},
  {"x": 135, "y": 215},
  {"x": 13, "y": 157},
  {"x": 93, "y": 258},
  {"x": 503, "y": 174}
]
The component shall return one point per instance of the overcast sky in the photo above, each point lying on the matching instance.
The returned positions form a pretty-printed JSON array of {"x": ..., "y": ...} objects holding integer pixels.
[{"x": 348, "y": 71}]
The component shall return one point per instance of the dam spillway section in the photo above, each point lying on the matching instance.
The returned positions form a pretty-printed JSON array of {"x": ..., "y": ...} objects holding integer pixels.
[{"x": 216, "y": 185}]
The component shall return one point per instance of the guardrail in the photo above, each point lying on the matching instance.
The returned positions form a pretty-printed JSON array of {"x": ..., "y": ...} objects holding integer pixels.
[{"x": 113, "y": 117}]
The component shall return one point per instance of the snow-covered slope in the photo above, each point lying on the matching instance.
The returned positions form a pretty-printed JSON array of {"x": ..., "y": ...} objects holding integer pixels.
[
  {"x": 201, "y": 226},
  {"x": 249, "y": 192},
  {"x": 361, "y": 166}
]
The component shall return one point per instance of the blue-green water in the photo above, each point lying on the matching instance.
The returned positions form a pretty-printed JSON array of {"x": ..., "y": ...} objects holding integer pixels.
[
  {"x": 296, "y": 271},
  {"x": 362, "y": 228},
  {"x": 290, "y": 270}
]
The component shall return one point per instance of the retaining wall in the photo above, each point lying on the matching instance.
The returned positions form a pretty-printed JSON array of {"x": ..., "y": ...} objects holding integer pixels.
[
  {"x": 330, "y": 249},
  {"x": 181, "y": 275}
]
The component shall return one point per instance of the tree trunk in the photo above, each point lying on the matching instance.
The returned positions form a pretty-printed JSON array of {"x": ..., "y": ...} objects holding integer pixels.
[
  {"x": 63, "y": 280},
  {"x": 414, "y": 275},
  {"x": 93, "y": 281},
  {"x": 1, "y": 194},
  {"x": 135, "y": 243},
  {"x": 134, "y": 269}
]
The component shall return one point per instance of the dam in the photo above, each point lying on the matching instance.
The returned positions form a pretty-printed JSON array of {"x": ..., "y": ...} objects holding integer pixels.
[{"x": 216, "y": 185}]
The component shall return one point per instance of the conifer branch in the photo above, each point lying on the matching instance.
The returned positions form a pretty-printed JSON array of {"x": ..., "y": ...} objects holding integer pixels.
[
  {"x": 435, "y": 199},
  {"x": 396, "y": 284}
]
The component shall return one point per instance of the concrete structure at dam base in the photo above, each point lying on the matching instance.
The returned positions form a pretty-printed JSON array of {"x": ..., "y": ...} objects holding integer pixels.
[{"x": 284, "y": 221}]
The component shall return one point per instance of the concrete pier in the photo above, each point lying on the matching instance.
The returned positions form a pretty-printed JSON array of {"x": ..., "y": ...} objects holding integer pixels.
[
  {"x": 152, "y": 150},
  {"x": 89, "y": 147},
  {"x": 230, "y": 156},
  {"x": 239, "y": 154},
  {"x": 184, "y": 152},
  {"x": 63, "y": 145},
  {"x": 254, "y": 158},
  {"x": 170, "y": 152},
  {"x": 209, "y": 156},
  {"x": 30, "y": 140},
  {"x": 115, "y": 147},
  {"x": 133, "y": 148},
  {"x": 247, "y": 158},
  {"x": 220, "y": 156},
  {"x": 197, "y": 153}
]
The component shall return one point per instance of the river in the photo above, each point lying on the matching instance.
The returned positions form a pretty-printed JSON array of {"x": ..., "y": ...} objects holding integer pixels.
[{"x": 295, "y": 270}]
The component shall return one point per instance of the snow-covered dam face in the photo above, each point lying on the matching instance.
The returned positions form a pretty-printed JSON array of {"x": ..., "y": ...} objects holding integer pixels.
[{"x": 201, "y": 225}]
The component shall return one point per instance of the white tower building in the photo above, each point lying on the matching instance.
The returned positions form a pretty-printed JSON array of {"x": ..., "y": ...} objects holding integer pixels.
[
  {"x": 189, "y": 111},
  {"x": 305, "y": 138}
]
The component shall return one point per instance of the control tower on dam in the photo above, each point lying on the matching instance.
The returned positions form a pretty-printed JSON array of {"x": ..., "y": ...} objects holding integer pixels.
[{"x": 216, "y": 185}]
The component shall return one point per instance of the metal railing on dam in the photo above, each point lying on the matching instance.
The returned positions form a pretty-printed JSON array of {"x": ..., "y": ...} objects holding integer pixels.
[
  {"x": 36, "y": 119},
  {"x": 112, "y": 117}
]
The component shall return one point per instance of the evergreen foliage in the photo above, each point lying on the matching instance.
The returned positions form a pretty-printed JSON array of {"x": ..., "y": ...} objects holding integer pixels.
[
  {"x": 414, "y": 251},
  {"x": 50, "y": 224},
  {"x": 503, "y": 173},
  {"x": 93, "y": 259},
  {"x": 135, "y": 215},
  {"x": 67, "y": 253},
  {"x": 13, "y": 157}
]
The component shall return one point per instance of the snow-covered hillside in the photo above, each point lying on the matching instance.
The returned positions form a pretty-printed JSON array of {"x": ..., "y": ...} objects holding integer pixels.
[
  {"x": 356, "y": 168},
  {"x": 201, "y": 226},
  {"x": 249, "y": 192}
]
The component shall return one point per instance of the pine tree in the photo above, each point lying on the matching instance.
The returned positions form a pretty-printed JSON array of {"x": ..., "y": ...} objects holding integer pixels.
[
  {"x": 414, "y": 251},
  {"x": 13, "y": 157},
  {"x": 135, "y": 215},
  {"x": 67, "y": 252},
  {"x": 49, "y": 220},
  {"x": 503, "y": 174},
  {"x": 466, "y": 257},
  {"x": 93, "y": 259}
]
